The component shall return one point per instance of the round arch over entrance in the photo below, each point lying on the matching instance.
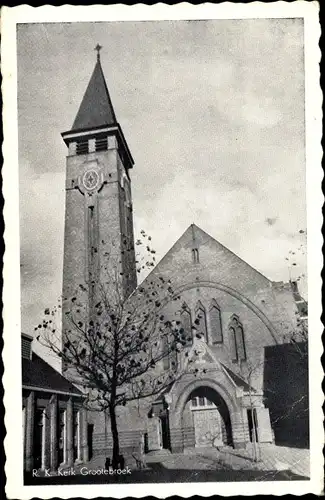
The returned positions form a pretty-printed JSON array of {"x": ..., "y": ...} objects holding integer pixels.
[
  {"x": 206, "y": 410},
  {"x": 205, "y": 382}
]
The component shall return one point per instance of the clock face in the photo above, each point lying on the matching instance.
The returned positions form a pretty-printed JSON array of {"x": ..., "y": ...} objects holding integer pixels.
[{"x": 90, "y": 179}]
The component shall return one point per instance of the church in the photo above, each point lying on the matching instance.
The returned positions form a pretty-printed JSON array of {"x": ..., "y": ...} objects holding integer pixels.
[{"x": 242, "y": 312}]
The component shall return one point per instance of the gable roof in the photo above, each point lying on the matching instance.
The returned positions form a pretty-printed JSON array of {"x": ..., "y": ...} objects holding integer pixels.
[
  {"x": 237, "y": 379},
  {"x": 37, "y": 373},
  {"x": 192, "y": 235},
  {"x": 96, "y": 107}
]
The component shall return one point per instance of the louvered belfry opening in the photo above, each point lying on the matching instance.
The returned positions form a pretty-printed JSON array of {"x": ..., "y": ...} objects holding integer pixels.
[
  {"x": 101, "y": 143},
  {"x": 82, "y": 147}
]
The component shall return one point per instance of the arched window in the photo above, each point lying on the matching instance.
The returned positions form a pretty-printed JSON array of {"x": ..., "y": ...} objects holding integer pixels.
[
  {"x": 233, "y": 346},
  {"x": 186, "y": 321},
  {"x": 215, "y": 323},
  {"x": 165, "y": 351},
  {"x": 169, "y": 359},
  {"x": 201, "y": 321},
  {"x": 237, "y": 340},
  {"x": 240, "y": 343},
  {"x": 195, "y": 255}
]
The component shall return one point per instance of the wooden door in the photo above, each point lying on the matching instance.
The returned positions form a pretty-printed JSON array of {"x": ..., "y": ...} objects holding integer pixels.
[
  {"x": 154, "y": 434},
  {"x": 207, "y": 425}
]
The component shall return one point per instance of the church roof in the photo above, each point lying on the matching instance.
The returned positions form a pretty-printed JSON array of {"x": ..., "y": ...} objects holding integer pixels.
[
  {"x": 239, "y": 381},
  {"x": 96, "y": 108}
]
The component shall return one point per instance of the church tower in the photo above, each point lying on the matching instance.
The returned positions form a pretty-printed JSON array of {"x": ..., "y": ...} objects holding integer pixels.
[{"x": 98, "y": 233}]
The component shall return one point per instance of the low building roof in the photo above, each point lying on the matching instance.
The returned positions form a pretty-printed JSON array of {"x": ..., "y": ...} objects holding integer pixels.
[{"x": 37, "y": 373}]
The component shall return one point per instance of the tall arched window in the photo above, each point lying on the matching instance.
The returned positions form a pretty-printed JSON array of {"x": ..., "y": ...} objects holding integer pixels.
[
  {"x": 186, "y": 321},
  {"x": 215, "y": 323},
  {"x": 201, "y": 321},
  {"x": 165, "y": 351},
  {"x": 240, "y": 343},
  {"x": 237, "y": 340},
  {"x": 233, "y": 346},
  {"x": 169, "y": 359}
]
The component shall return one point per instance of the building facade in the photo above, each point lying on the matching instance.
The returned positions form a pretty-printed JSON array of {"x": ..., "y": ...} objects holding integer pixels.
[
  {"x": 219, "y": 400},
  {"x": 55, "y": 429}
]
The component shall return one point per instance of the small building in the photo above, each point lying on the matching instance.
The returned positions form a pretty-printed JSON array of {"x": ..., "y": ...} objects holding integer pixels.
[{"x": 54, "y": 421}]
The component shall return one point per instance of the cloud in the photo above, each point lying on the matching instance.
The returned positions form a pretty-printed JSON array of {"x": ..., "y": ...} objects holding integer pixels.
[{"x": 41, "y": 244}]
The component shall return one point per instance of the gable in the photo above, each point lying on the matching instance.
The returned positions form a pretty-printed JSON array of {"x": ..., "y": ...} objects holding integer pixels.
[
  {"x": 197, "y": 256},
  {"x": 219, "y": 269}
]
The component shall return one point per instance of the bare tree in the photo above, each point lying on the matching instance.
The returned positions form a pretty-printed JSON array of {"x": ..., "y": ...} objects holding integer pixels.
[
  {"x": 116, "y": 345},
  {"x": 248, "y": 370}
]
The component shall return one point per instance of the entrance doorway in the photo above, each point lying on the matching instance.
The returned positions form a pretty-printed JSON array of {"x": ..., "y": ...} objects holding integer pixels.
[
  {"x": 207, "y": 427},
  {"x": 90, "y": 432},
  {"x": 164, "y": 432},
  {"x": 251, "y": 416},
  {"x": 210, "y": 417}
]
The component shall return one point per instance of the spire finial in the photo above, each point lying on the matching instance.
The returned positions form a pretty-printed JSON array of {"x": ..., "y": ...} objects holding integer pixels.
[{"x": 98, "y": 48}]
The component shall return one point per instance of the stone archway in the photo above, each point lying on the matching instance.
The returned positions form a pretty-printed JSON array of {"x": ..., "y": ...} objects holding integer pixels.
[{"x": 202, "y": 416}]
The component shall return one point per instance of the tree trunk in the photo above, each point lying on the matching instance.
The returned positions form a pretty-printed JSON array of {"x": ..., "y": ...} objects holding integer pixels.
[
  {"x": 255, "y": 455},
  {"x": 115, "y": 437}
]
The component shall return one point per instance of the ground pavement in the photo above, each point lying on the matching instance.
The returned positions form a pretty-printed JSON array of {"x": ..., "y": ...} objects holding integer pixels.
[
  {"x": 209, "y": 464},
  {"x": 270, "y": 458}
]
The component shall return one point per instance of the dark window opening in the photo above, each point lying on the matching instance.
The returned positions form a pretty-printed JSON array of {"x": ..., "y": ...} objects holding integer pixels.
[
  {"x": 165, "y": 349},
  {"x": 240, "y": 343},
  {"x": 234, "y": 355},
  {"x": 195, "y": 256},
  {"x": 75, "y": 433},
  {"x": 215, "y": 324},
  {"x": 101, "y": 143},
  {"x": 90, "y": 432},
  {"x": 82, "y": 148},
  {"x": 186, "y": 321},
  {"x": 201, "y": 321},
  {"x": 237, "y": 340},
  {"x": 251, "y": 414},
  {"x": 38, "y": 438},
  {"x": 61, "y": 431}
]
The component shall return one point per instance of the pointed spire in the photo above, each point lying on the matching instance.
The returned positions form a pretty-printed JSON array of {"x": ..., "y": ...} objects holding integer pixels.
[{"x": 96, "y": 108}]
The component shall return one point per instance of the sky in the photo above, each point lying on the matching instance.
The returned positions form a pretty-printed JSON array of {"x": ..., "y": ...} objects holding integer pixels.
[{"x": 213, "y": 113}]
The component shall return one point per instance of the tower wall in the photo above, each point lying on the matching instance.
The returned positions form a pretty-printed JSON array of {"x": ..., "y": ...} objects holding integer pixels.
[
  {"x": 107, "y": 224},
  {"x": 98, "y": 235}
]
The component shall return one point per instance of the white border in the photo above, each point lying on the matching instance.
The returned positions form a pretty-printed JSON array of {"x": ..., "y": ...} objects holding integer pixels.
[{"x": 11, "y": 293}]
